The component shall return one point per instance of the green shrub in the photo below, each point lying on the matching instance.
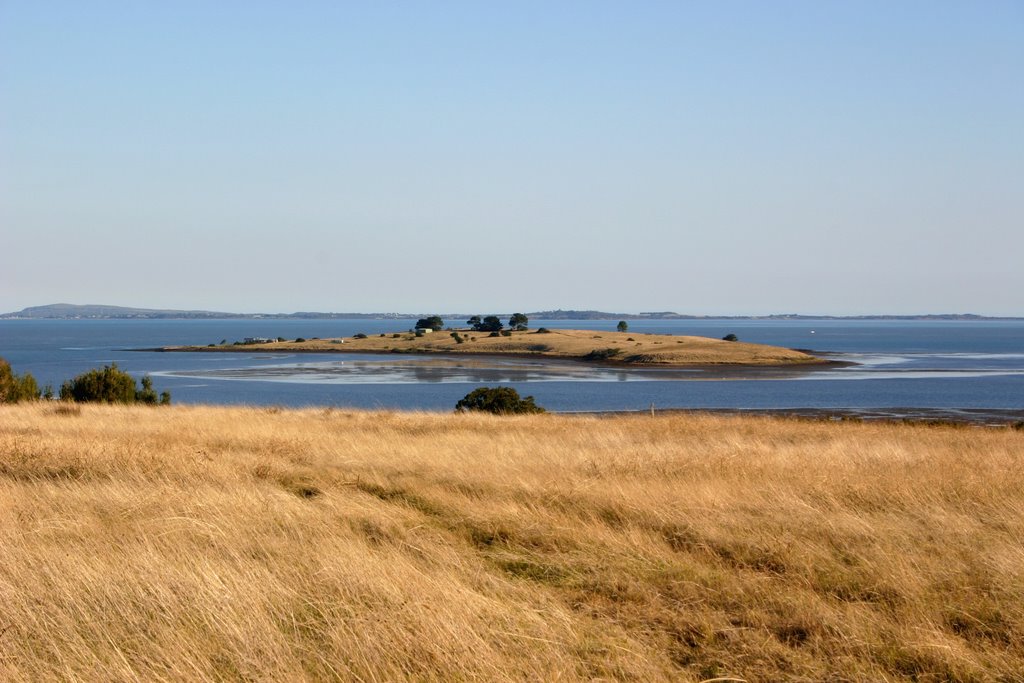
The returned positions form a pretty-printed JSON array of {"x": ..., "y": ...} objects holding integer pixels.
[
  {"x": 359, "y": 335},
  {"x": 542, "y": 330},
  {"x": 623, "y": 326},
  {"x": 506, "y": 333},
  {"x": 111, "y": 385},
  {"x": 498, "y": 400},
  {"x": 14, "y": 388},
  {"x": 298, "y": 340},
  {"x": 730, "y": 337},
  {"x": 396, "y": 335}
]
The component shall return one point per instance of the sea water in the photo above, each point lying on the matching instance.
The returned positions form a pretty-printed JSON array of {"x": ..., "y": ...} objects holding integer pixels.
[{"x": 915, "y": 364}]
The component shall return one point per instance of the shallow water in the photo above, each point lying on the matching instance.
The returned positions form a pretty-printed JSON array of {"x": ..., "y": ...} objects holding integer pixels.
[{"x": 948, "y": 365}]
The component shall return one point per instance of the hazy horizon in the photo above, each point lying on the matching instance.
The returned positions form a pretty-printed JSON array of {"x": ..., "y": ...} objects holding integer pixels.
[
  {"x": 457, "y": 311},
  {"x": 732, "y": 158}
]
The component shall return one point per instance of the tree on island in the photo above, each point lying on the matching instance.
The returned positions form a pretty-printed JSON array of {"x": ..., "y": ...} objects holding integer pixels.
[
  {"x": 433, "y": 322},
  {"x": 499, "y": 400},
  {"x": 623, "y": 326},
  {"x": 491, "y": 323},
  {"x": 518, "y": 321}
]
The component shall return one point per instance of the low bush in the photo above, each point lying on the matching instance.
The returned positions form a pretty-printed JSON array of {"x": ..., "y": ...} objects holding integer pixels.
[
  {"x": 15, "y": 388},
  {"x": 730, "y": 337},
  {"x": 497, "y": 400},
  {"x": 359, "y": 335},
  {"x": 111, "y": 385},
  {"x": 542, "y": 330},
  {"x": 602, "y": 354}
]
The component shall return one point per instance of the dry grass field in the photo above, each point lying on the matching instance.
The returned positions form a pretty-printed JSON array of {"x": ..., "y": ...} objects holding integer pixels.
[
  {"x": 616, "y": 347},
  {"x": 185, "y": 543}
]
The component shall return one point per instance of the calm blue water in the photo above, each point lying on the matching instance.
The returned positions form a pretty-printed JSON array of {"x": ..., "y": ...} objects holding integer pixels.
[{"x": 949, "y": 365}]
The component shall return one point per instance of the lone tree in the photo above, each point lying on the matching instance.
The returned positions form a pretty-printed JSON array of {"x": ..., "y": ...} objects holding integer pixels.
[
  {"x": 498, "y": 400},
  {"x": 474, "y": 322},
  {"x": 110, "y": 385},
  {"x": 433, "y": 322},
  {"x": 14, "y": 388},
  {"x": 518, "y": 321},
  {"x": 623, "y": 326}
]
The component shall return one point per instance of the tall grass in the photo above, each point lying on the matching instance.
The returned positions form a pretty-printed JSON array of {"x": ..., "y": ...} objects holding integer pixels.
[{"x": 252, "y": 544}]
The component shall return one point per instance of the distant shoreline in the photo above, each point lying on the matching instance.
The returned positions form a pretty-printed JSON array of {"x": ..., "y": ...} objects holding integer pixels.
[{"x": 102, "y": 312}]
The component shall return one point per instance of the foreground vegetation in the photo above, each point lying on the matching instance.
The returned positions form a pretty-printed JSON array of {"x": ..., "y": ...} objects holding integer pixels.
[
  {"x": 608, "y": 347},
  {"x": 215, "y": 543},
  {"x": 107, "y": 385}
]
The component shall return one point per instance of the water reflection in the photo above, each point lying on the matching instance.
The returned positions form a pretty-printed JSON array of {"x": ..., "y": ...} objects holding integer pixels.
[{"x": 389, "y": 370}]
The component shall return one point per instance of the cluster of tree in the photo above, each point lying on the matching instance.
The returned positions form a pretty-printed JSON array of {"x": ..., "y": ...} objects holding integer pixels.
[
  {"x": 14, "y": 388},
  {"x": 492, "y": 323},
  {"x": 433, "y": 322},
  {"x": 499, "y": 400},
  {"x": 110, "y": 385}
]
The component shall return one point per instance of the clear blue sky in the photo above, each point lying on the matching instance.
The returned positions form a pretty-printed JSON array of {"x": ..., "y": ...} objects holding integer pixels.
[{"x": 702, "y": 157}]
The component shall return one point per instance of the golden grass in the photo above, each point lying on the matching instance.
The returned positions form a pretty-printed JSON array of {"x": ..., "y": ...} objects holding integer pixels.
[
  {"x": 618, "y": 347},
  {"x": 251, "y": 544}
]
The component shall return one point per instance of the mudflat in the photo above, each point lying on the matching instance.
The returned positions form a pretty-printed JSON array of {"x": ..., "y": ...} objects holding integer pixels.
[{"x": 614, "y": 348}]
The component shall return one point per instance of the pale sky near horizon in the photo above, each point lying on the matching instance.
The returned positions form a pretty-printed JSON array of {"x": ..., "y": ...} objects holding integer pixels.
[{"x": 702, "y": 157}]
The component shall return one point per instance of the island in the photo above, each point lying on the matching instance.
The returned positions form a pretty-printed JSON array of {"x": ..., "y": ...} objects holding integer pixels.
[{"x": 616, "y": 348}]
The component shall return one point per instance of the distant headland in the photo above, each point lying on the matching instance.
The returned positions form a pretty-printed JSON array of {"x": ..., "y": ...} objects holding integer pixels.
[{"x": 104, "y": 312}]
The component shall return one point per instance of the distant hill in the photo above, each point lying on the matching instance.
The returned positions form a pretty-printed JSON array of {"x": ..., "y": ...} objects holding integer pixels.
[
  {"x": 71, "y": 311},
  {"x": 99, "y": 312}
]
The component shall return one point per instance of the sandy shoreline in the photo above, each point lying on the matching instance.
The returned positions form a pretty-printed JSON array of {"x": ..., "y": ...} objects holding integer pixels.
[{"x": 708, "y": 370}]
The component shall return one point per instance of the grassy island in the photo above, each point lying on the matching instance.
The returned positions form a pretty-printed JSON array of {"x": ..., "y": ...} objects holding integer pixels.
[
  {"x": 197, "y": 543},
  {"x": 628, "y": 348}
]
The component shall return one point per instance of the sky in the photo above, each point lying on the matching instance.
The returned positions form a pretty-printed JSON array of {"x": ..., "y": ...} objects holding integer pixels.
[{"x": 729, "y": 158}]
